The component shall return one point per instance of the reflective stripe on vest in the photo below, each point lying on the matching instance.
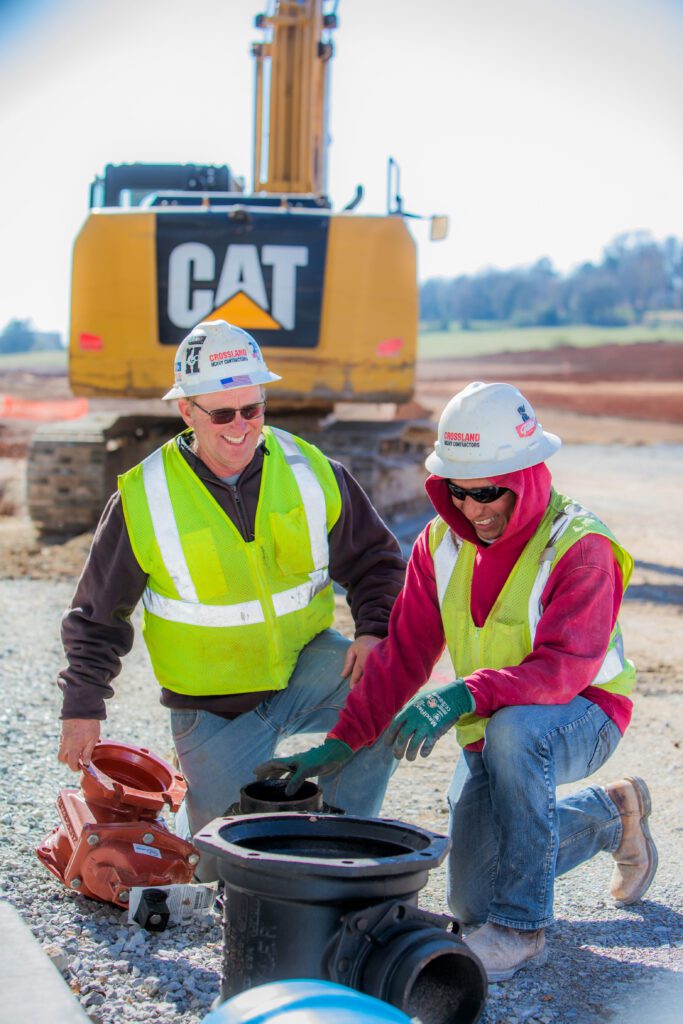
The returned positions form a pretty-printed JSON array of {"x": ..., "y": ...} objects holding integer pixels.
[
  {"x": 245, "y": 614},
  {"x": 311, "y": 495},
  {"x": 187, "y": 608},
  {"x": 165, "y": 527},
  {"x": 445, "y": 557},
  {"x": 613, "y": 662},
  {"x": 560, "y": 525}
]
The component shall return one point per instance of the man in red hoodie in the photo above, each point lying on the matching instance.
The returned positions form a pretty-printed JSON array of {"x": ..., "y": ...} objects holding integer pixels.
[{"x": 523, "y": 586}]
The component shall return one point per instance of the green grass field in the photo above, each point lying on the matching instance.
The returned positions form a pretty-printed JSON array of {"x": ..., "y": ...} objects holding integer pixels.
[
  {"x": 490, "y": 341},
  {"x": 33, "y": 361}
]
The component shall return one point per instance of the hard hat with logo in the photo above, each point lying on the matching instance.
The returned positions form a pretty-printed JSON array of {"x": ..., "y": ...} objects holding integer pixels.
[
  {"x": 216, "y": 356},
  {"x": 487, "y": 430}
]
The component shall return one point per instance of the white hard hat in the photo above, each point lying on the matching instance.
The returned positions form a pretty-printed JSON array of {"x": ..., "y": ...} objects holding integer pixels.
[
  {"x": 487, "y": 430},
  {"x": 216, "y": 356}
]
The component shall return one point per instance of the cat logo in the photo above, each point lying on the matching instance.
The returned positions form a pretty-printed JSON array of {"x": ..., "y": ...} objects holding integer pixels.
[
  {"x": 240, "y": 296},
  {"x": 267, "y": 279}
]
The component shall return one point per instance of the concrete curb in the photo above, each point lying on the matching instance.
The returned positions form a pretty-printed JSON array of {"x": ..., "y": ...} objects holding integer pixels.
[{"x": 32, "y": 987}]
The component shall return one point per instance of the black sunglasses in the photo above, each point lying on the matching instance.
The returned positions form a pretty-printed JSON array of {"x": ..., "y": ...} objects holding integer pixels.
[
  {"x": 248, "y": 412},
  {"x": 482, "y": 495}
]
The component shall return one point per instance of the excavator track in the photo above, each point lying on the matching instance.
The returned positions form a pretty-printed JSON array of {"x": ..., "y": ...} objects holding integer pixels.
[
  {"x": 386, "y": 458},
  {"x": 72, "y": 467}
]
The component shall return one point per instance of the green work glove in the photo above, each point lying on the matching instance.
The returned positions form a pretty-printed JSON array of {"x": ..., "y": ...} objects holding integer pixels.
[
  {"x": 426, "y": 718},
  {"x": 318, "y": 761}
]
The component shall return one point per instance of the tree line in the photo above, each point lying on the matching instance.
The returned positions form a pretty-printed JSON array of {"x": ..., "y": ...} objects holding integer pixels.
[
  {"x": 21, "y": 336},
  {"x": 636, "y": 276}
]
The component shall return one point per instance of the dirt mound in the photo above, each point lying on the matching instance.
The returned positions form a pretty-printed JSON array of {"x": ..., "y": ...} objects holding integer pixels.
[
  {"x": 23, "y": 554},
  {"x": 642, "y": 382},
  {"x": 641, "y": 361}
]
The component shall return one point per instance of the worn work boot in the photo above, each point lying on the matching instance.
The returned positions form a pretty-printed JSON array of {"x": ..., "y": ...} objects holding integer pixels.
[
  {"x": 636, "y": 858},
  {"x": 504, "y": 951}
]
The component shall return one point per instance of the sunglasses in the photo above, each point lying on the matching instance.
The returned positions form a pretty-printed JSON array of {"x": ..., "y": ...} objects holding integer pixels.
[
  {"x": 482, "y": 495},
  {"x": 247, "y": 412}
]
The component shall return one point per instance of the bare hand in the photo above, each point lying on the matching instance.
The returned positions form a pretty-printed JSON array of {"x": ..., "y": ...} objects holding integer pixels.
[
  {"x": 354, "y": 663},
  {"x": 79, "y": 736}
]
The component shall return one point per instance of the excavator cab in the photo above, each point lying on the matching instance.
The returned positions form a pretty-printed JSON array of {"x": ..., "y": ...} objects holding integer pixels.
[{"x": 131, "y": 184}]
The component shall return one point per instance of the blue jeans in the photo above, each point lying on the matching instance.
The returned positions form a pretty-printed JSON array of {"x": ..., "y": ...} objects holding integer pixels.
[
  {"x": 217, "y": 756},
  {"x": 511, "y": 836}
]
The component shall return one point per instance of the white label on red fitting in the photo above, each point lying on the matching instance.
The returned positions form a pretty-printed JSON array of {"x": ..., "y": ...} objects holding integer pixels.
[{"x": 148, "y": 851}]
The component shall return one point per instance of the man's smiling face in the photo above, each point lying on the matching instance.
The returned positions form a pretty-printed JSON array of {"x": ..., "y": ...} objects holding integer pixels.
[{"x": 226, "y": 448}]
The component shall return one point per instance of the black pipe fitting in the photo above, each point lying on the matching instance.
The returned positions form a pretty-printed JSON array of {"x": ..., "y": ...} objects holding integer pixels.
[
  {"x": 334, "y": 897},
  {"x": 410, "y": 958},
  {"x": 269, "y": 797}
]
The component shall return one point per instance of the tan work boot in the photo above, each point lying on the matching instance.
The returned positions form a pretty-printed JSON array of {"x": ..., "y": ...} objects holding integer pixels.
[
  {"x": 504, "y": 951},
  {"x": 636, "y": 858}
]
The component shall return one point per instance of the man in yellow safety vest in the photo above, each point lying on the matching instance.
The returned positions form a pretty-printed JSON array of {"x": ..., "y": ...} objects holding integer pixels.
[
  {"x": 523, "y": 586},
  {"x": 231, "y": 535}
]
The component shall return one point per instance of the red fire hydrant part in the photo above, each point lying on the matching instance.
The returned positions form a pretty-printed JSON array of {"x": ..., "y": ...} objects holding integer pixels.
[
  {"x": 111, "y": 836},
  {"x": 124, "y": 777}
]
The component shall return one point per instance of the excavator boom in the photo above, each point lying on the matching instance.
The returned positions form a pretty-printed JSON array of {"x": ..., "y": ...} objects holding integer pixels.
[{"x": 291, "y": 89}]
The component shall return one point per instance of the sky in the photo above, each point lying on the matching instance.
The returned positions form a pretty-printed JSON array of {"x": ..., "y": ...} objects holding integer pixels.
[{"x": 540, "y": 127}]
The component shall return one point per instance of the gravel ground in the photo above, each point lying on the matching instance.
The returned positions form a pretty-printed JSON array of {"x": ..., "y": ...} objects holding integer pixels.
[{"x": 605, "y": 964}]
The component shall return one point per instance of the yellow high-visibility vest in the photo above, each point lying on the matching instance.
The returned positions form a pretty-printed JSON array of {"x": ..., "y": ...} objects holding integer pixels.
[
  {"x": 508, "y": 634},
  {"x": 222, "y": 615}
]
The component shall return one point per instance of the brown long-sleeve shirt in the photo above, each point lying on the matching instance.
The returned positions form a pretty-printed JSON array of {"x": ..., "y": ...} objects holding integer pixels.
[{"x": 365, "y": 559}]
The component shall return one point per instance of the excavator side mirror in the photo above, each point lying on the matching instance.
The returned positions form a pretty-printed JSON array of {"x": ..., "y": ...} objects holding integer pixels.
[{"x": 438, "y": 228}]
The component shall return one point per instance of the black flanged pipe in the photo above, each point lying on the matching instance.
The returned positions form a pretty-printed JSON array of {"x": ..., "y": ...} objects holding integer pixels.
[
  {"x": 410, "y": 958},
  {"x": 313, "y": 896}
]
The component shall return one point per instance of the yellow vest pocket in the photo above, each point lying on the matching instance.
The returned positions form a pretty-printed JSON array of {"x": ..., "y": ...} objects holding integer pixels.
[{"x": 200, "y": 549}]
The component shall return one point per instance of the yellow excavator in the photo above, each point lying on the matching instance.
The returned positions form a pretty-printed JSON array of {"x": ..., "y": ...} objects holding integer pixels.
[{"x": 331, "y": 297}]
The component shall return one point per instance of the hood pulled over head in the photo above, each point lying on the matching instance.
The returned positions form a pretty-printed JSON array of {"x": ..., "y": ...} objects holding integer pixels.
[{"x": 531, "y": 487}]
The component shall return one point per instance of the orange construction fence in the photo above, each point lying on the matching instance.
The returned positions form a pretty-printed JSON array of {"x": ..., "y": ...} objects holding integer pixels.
[{"x": 58, "y": 409}]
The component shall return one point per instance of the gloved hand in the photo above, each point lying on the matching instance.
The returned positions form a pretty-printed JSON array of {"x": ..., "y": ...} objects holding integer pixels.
[
  {"x": 426, "y": 718},
  {"x": 318, "y": 761}
]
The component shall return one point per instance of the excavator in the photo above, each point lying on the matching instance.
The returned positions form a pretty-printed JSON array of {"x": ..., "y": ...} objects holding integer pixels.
[{"x": 331, "y": 297}]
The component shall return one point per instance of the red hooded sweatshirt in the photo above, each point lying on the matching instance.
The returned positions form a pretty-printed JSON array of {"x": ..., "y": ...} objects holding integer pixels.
[{"x": 580, "y": 604}]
